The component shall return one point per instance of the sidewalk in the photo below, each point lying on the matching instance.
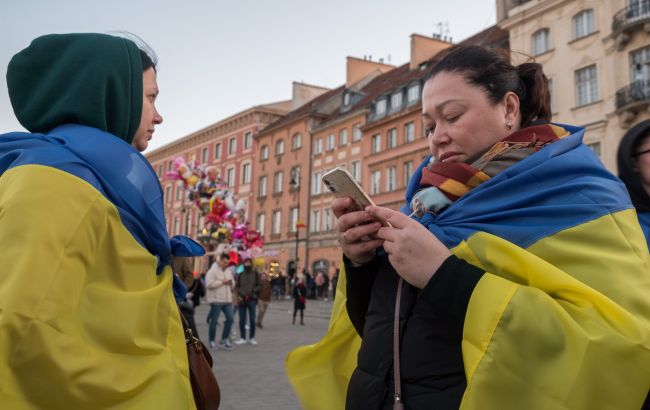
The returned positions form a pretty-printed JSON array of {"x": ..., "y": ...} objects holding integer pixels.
[{"x": 254, "y": 377}]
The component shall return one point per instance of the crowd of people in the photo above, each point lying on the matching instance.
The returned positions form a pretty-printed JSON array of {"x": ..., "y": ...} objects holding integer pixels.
[{"x": 236, "y": 289}]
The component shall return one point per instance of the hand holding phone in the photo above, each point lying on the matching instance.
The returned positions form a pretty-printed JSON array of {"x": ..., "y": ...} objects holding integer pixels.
[{"x": 342, "y": 184}]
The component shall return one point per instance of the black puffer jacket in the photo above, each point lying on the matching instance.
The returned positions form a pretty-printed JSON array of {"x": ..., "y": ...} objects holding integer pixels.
[{"x": 431, "y": 327}]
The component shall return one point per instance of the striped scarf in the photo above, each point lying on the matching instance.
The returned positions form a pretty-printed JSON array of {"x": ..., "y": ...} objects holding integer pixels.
[{"x": 443, "y": 183}]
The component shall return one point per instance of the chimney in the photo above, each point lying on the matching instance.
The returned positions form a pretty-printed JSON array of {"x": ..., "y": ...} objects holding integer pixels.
[
  {"x": 357, "y": 69},
  {"x": 303, "y": 93},
  {"x": 423, "y": 48}
]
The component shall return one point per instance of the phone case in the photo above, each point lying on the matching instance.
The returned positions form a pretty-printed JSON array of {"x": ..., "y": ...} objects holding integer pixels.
[{"x": 341, "y": 183}]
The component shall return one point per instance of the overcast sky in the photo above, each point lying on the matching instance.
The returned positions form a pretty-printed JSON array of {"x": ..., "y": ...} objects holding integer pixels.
[{"x": 217, "y": 58}]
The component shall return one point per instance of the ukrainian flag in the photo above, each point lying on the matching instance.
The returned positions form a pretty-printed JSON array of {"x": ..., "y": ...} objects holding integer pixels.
[
  {"x": 87, "y": 315},
  {"x": 560, "y": 319}
]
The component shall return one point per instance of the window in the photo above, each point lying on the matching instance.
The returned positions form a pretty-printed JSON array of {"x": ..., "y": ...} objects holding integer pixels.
[
  {"x": 330, "y": 142},
  {"x": 409, "y": 132},
  {"x": 346, "y": 99},
  {"x": 175, "y": 229},
  {"x": 159, "y": 171},
  {"x": 640, "y": 66},
  {"x": 356, "y": 132},
  {"x": 295, "y": 177},
  {"x": 261, "y": 219},
  {"x": 179, "y": 190},
  {"x": 583, "y": 24},
  {"x": 586, "y": 85},
  {"x": 376, "y": 143},
  {"x": 413, "y": 93},
  {"x": 391, "y": 179},
  {"x": 595, "y": 147},
  {"x": 327, "y": 220},
  {"x": 296, "y": 141},
  {"x": 318, "y": 146},
  {"x": 541, "y": 42},
  {"x": 293, "y": 219},
  {"x": 380, "y": 107},
  {"x": 262, "y": 186},
  {"x": 277, "y": 221},
  {"x": 246, "y": 173},
  {"x": 168, "y": 194},
  {"x": 355, "y": 170},
  {"x": 232, "y": 145},
  {"x": 391, "y": 138},
  {"x": 316, "y": 183},
  {"x": 170, "y": 164},
  {"x": 248, "y": 140},
  {"x": 375, "y": 179},
  {"x": 279, "y": 147},
  {"x": 264, "y": 153},
  {"x": 204, "y": 155},
  {"x": 277, "y": 185},
  {"x": 396, "y": 101},
  {"x": 314, "y": 223},
  {"x": 408, "y": 171},
  {"x": 230, "y": 177},
  {"x": 217, "y": 151},
  {"x": 343, "y": 136}
]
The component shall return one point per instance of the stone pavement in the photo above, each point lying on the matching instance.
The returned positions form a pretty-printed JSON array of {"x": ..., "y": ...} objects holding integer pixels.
[{"x": 253, "y": 377}]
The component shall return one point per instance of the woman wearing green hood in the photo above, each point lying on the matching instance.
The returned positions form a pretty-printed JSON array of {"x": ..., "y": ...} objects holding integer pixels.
[{"x": 87, "y": 313}]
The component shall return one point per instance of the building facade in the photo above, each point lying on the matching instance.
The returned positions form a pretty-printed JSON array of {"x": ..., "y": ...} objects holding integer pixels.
[
  {"x": 596, "y": 55},
  {"x": 230, "y": 146}
]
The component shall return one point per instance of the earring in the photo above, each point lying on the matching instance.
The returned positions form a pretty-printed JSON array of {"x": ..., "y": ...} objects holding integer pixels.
[{"x": 509, "y": 125}]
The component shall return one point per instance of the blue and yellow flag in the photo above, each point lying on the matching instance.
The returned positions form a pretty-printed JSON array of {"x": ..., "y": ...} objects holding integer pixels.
[
  {"x": 560, "y": 319},
  {"x": 87, "y": 315}
]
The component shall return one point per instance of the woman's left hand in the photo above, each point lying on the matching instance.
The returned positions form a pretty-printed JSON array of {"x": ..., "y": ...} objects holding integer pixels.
[{"x": 415, "y": 253}]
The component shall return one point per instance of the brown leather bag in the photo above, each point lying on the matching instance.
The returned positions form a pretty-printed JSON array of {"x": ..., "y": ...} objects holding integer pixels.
[{"x": 205, "y": 388}]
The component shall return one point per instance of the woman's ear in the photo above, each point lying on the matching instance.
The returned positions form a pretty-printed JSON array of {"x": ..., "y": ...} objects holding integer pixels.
[{"x": 511, "y": 105}]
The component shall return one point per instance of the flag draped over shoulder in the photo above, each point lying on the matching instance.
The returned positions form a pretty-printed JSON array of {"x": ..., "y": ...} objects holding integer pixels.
[
  {"x": 560, "y": 319},
  {"x": 87, "y": 315}
]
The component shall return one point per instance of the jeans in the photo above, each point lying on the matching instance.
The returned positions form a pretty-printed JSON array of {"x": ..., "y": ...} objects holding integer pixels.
[
  {"x": 248, "y": 306},
  {"x": 215, "y": 309}
]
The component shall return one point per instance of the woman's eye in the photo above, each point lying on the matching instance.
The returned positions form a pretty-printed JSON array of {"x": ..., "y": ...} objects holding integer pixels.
[{"x": 453, "y": 118}]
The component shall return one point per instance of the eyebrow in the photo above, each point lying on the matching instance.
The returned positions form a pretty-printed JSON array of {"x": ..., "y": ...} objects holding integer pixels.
[{"x": 441, "y": 106}]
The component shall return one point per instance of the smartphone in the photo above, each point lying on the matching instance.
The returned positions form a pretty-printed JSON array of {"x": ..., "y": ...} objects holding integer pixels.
[{"x": 342, "y": 184}]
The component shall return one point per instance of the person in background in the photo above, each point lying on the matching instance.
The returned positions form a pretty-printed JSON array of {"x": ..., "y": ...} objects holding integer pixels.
[
  {"x": 182, "y": 267},
  {"x": 515, "y": 272},
  {"x": 81, "y": 215},
  {"x": 219, "y": 283},
  {"x": 299, "y": 298},
  {"x": 247, "y": 286},
  {"x": 264, "y": 298},
  {"x": 634, "y": 171}
]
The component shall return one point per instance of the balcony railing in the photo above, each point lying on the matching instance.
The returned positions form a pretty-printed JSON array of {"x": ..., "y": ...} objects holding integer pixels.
[
  {"x": 633, "y": 15},
  {"x": 635, "y": 93}
]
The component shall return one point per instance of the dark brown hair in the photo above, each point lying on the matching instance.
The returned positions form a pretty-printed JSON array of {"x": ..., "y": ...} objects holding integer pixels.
[{"x": 493, "y": 73}]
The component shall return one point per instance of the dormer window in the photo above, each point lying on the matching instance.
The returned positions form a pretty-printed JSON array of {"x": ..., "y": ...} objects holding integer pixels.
[
  {"x": 396, "y": 101},
  {"x": 380, "y": 107},
  {"x": 413, "y": 93},
  {"x": 346, "y": 99}
]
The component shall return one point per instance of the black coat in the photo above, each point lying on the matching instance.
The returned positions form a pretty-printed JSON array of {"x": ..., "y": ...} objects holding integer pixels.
[{"x": 432, "y": 373}]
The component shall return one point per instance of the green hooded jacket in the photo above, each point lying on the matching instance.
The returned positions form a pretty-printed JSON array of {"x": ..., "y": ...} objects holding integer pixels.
[{"x": 82, "y": 78}]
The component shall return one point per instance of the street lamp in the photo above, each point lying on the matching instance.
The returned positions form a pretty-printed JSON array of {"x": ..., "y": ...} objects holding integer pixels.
[{"x": 295, "y": 183}]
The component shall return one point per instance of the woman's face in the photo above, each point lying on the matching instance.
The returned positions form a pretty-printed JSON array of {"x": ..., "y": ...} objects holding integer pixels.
[
  {"x": 459, "y": 119},
  {"x": 642, "y": 163},
  {"x": 150, "y": 117}
]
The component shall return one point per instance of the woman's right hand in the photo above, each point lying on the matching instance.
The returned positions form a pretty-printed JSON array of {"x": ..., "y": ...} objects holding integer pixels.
[{"x": 355, "y": 231}]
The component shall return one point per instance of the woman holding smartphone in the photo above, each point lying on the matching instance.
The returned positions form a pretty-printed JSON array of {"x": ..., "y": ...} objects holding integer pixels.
[{"x": 517, "y": 263}]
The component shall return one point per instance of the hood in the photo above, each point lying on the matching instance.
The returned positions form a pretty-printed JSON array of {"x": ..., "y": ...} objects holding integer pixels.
[
  {"x": 640, "y": 197},
  {"x": 88, "y": 79}
]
